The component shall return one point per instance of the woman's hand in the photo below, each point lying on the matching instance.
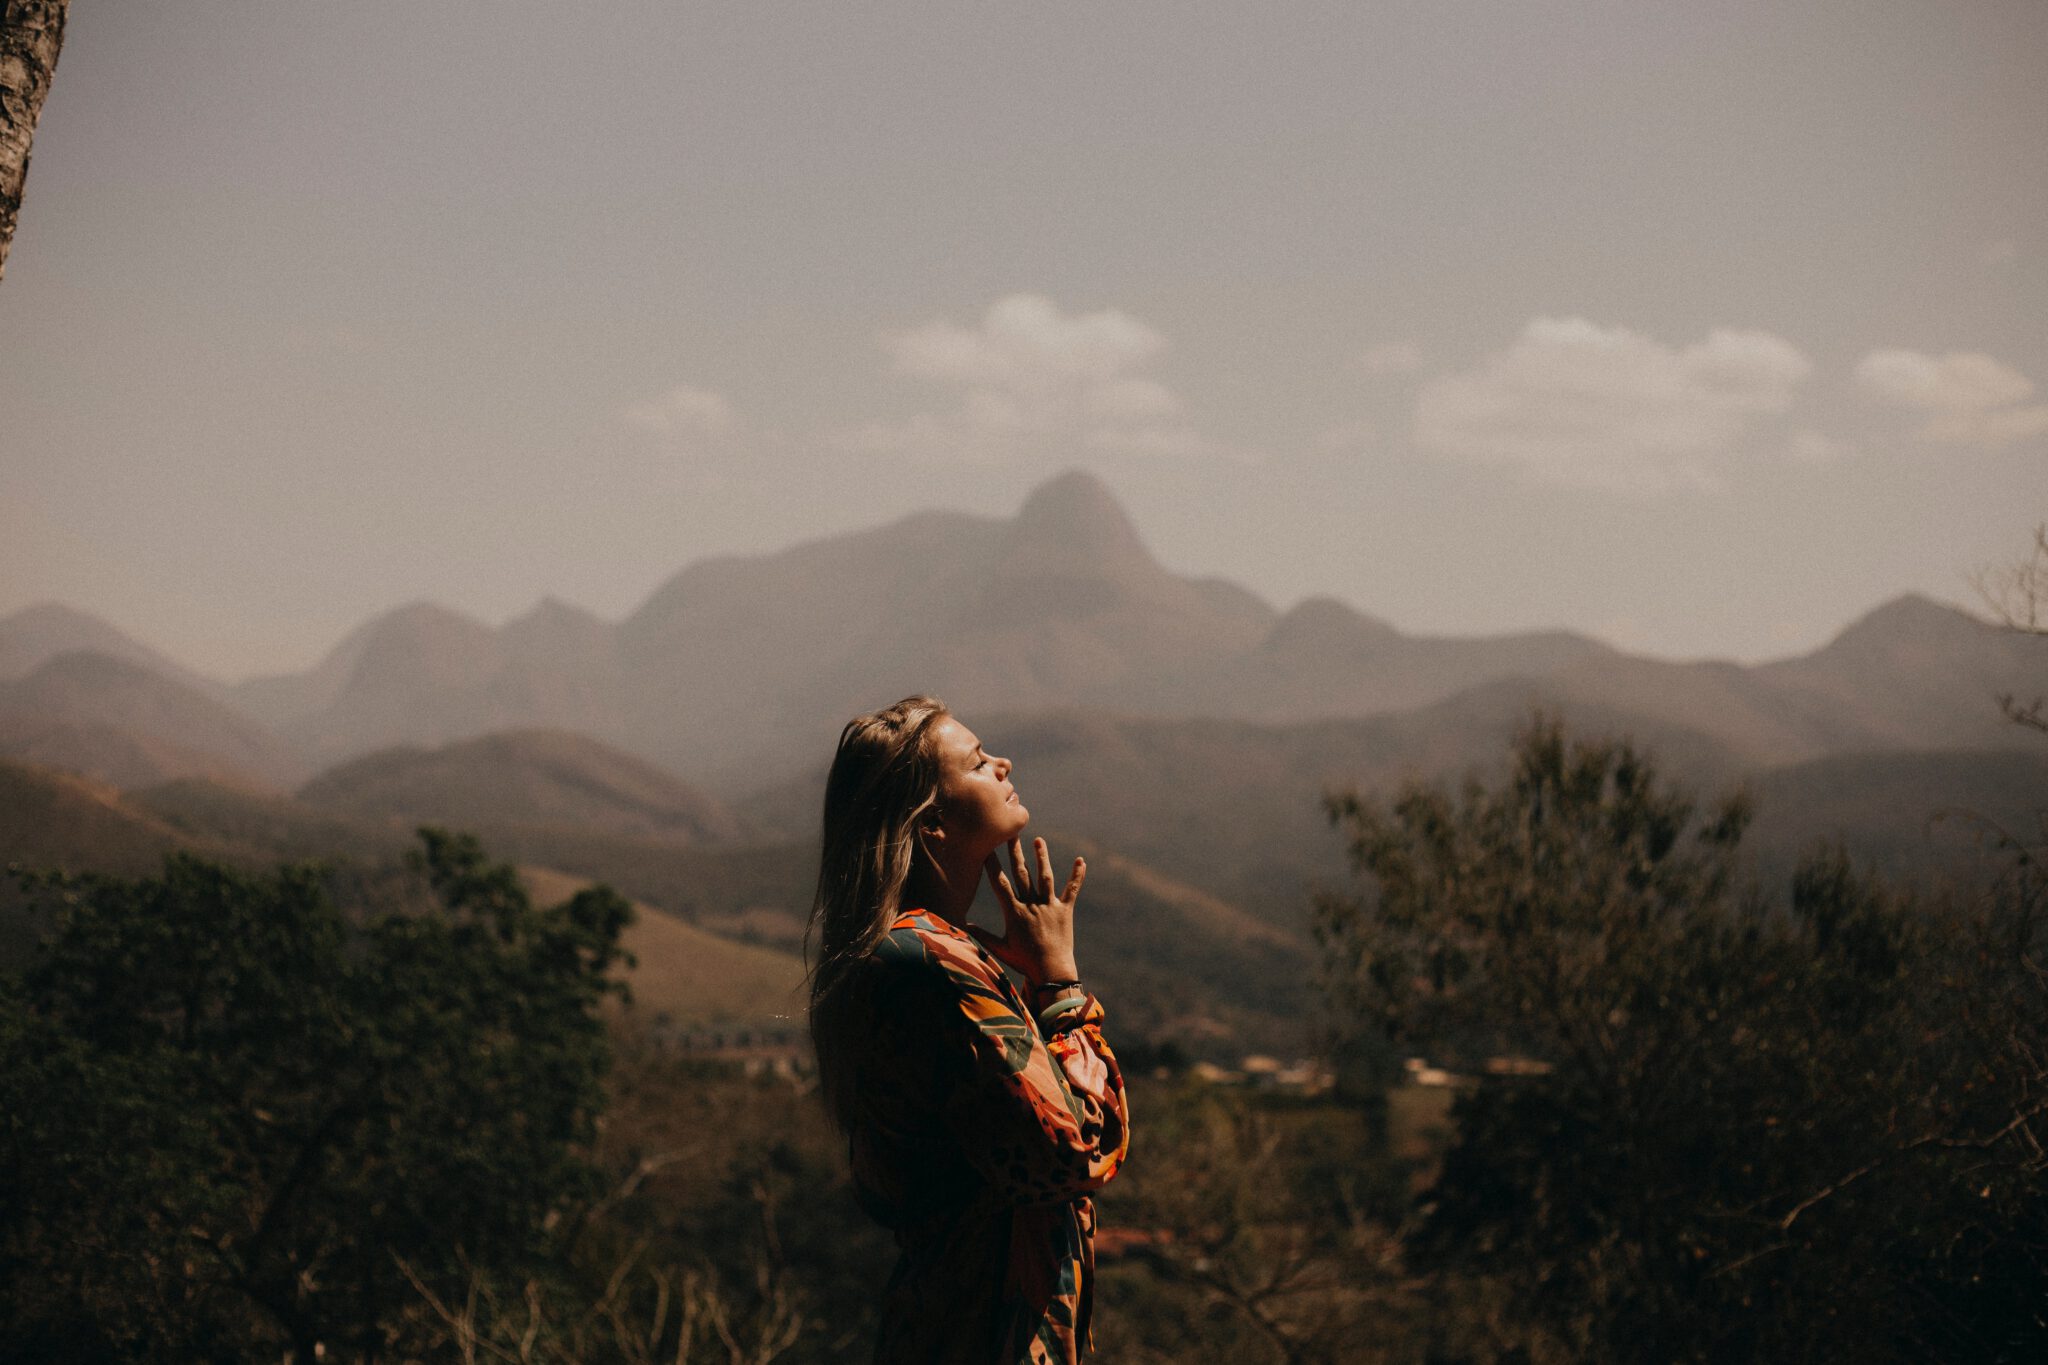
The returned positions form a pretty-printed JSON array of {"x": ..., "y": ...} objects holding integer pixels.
[{"x": 1038, "y": 926}]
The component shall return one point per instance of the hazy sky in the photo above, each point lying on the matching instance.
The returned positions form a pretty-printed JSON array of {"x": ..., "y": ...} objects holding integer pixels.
[{"x": 1701, "y": 327}]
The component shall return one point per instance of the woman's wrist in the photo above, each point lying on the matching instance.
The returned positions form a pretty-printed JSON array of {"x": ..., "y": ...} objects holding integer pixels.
[{"x": 1054, "y": 972}]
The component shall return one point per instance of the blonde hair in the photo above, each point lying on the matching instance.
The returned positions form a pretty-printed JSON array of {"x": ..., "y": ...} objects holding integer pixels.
[{"x": 884, "y": 780}]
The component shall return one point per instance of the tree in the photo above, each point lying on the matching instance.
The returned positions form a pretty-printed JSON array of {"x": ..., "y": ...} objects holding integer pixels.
[
  {"x": 31, "y": 35},
  {"x": 2018, "y": 597},
  {"x": 232, "y": 1121},
  {"x": 1743, "y": 1131}
]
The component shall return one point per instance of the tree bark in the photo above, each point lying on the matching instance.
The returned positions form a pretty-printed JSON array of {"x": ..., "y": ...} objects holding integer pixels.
[{"x": 31, "y": 32}]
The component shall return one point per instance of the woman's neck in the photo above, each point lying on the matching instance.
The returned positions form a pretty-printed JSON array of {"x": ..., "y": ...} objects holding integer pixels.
[{"x": 946, "y": 892}]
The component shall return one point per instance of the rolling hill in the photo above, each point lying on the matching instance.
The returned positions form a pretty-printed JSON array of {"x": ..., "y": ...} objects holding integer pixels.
[
  {"x": 523, "y": 777},
  {"x": 114, "y": 719}
]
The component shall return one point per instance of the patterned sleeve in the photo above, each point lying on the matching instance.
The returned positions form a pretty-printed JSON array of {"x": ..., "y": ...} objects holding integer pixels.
[{"x": 1019, "y": 1119}]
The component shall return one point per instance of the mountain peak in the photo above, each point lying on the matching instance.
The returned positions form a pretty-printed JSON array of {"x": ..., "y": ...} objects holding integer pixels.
[
  {"x": 36, "y": 634},
  {"x": 552, "y": 613},
  {"x": 1075, "y": 511},
  {"x": 1910, "y": 617}
]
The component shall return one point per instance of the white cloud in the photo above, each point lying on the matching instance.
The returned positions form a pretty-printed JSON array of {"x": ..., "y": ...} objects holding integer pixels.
[
  {"x": 1969, "y": 398},
  {"x": 1391, "y": 357},
  {"x": 1605, "y": 407},
  {"x": 1024, "y": 343},
  {"x": 683, "y": 411},
  {"x": 1961, "y": 381},
  {"x": 1993, "y": 430},
  {"x": 1028, "y": 376}
]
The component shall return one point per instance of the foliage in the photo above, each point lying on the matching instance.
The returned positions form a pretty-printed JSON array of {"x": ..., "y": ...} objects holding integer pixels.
[
  {"x": 235, "y": 1122},
  {"x": 1254, "y": 1228},
  {"x": 1791, "y": 1133},
  {"x": 728, "y": 1233}
]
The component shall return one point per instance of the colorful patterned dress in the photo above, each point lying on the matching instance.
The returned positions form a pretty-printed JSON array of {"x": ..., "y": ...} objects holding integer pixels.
[{"x": 975, "y": 1147}]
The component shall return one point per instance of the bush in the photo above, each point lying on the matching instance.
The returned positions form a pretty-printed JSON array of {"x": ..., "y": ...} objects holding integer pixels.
[
  {"x": 1793, "y": 1132},
  {"x": 236, "y": 1123}
]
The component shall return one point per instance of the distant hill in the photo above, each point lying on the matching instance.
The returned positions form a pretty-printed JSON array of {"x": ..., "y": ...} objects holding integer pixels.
[
  {"x": 269, "y": 827},
  {"x": 60, "y": 822},
  {"x": 33, "y": 636},
  {"x": 1323, "y": 660},
  {"x": 1925, "y": 816},
  {"x": 117, "y": 720},
  {"x": 523, "y": 777},
  {"x": 1914, "y": 674},
  {"x": 425, "y": 674}
]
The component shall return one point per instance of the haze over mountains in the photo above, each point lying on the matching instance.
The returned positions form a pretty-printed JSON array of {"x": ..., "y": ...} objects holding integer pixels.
[
  {"x": 1181, "y": 729},
  {"x": 737, "y": 671}
]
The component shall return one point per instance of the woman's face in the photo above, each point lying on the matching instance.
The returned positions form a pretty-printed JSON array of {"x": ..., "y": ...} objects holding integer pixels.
[{"x": 978, "y": 808}]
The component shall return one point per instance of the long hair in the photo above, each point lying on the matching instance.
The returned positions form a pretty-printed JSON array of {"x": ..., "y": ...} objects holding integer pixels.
[{"x": 884, "y": 779}]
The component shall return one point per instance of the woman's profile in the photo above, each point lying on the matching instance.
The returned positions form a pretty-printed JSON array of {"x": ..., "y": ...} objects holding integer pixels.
[{"x": 979, "y": 1117}]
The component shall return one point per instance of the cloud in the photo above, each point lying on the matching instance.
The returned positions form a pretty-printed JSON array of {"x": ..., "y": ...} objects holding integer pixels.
[
  {"x": 1969, "y": 398},
  {"x": 1992, "y": 430},
  {"x": 1391, "y": 357},
  {"x": 1024, "y": 343},
  {"x": 1575, "y": 403},
  {"x": 683, "y": 411},
  {"x": 1029, "y": 376},
  {"x": 1960, "y": 381}
]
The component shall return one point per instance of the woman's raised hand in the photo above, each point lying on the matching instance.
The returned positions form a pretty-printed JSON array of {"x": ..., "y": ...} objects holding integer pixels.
[{"x": 1038, "y": 926}]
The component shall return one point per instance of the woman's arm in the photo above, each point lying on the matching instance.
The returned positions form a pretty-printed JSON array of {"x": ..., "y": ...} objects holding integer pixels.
[{"x": 1015, "y": 1108}]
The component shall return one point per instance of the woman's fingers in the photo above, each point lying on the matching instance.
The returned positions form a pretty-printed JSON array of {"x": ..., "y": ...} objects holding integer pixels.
[
  {"x": 1074, "y": 882},
  {"x": 1044, "y": 854},
  {"x": 1005, "y": 895},
  {"x": 1017, "y": 865}
]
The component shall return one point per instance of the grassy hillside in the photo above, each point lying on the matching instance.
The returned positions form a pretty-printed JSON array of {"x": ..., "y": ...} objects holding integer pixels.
[{"x": 686, "y": 977}]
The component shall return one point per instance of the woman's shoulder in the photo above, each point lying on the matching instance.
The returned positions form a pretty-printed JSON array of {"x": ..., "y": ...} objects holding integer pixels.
[{"x": 920, "y": 942}]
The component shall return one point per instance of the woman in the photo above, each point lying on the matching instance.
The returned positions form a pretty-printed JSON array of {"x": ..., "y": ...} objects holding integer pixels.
[{"x": 979, "y": 1116}]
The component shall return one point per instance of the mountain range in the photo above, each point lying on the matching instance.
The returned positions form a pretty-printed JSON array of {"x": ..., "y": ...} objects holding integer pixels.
[
  {"x": 737, "y": 671},
  {"x": 1183, "y": 730}
]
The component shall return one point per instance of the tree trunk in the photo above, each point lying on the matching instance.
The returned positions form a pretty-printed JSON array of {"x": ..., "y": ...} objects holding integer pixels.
[{"x": 31, "y": 32}]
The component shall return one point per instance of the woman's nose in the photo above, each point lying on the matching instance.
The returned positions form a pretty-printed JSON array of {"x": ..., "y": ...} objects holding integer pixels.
[{"x": 1005, "y": 765}]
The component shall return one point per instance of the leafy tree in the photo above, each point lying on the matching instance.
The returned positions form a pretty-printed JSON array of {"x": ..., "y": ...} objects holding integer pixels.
[
  {"x": 232, "y": 1121},
  {"x": 1800, "y": 1132}
]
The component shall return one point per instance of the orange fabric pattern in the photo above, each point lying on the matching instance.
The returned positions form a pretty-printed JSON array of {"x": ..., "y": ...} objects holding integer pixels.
[{"x": 979, "y": 1150}]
